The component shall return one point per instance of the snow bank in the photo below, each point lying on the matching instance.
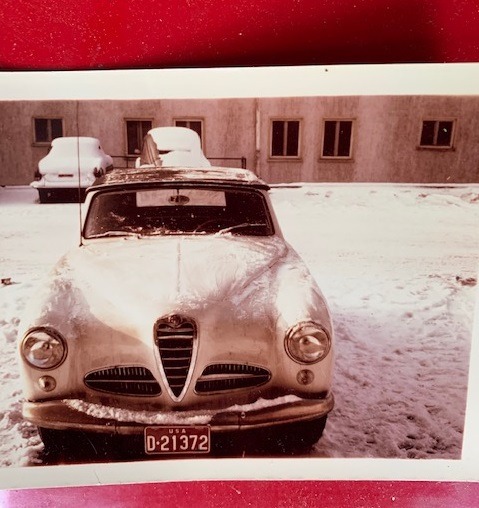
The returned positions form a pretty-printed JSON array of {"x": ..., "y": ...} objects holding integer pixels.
[{"x": 398, "y": 265}]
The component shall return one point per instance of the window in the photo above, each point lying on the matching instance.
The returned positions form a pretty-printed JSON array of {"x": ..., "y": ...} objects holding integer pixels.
[
  {"x": 437, "y": 133},
  {"x": 47, "y": 129},
  {"x": 136, "y": 130},
  {"x": 195, "y": 125},
  {"x": 285, "y": 138},
  {"x": 337, "y": 136}
]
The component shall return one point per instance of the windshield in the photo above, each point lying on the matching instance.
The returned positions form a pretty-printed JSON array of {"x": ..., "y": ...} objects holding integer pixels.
[{"x": 177, "y": 210}]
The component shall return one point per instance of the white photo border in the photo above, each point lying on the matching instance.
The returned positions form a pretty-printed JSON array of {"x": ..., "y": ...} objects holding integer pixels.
[{"x": 341, "y": 80}]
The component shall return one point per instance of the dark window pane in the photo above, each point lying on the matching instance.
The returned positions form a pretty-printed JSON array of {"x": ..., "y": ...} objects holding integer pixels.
[
  {"x": 145, "y": 127},
  {"x": 293, "y": 138},
  {"x": 444, "y": 134},
  {"x": 329, "y": 137},
  {"x": 344, "y": 143},
  {"x": 196, "y": 126},
  {"x": 277, "y": 141},
  {"x": 57, "y": 128},
  {"x": 427, "y": 135},
  {"x": 41, "y": 130},
  {"x": 136, "y": 130},
  {"x": 132, "y": 136}
]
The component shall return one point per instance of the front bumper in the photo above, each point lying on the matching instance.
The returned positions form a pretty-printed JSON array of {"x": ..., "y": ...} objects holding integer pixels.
[
  {"x": 58, "y": 415},
  {"x": 67, "y": 183}
]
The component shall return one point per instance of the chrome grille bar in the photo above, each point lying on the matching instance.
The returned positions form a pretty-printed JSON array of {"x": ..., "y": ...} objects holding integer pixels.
[
  {"x": 230, "y": 376},
  {"x": 175, "y": 337},
  {"x": 123, "y": 380}
]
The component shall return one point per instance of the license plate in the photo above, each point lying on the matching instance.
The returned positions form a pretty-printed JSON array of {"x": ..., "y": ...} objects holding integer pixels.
[{"x": 177, "y": 439}]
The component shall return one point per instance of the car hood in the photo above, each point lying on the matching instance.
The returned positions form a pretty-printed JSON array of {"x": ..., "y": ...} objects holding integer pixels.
[
  {"x": 178, "y": 266},
  {"x": 151, "y": 277}
]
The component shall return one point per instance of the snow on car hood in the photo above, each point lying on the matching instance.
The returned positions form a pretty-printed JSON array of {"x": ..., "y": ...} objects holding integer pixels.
[{"x": 143, "y": 278}]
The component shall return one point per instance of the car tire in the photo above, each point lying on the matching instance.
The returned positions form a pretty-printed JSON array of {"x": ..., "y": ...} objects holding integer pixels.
[
  {"x": 44, "y": 196},
  {"x": 68, "y": 444},
  {"x": 298, "y": 437},
  {"x": 56, "y": 442}
]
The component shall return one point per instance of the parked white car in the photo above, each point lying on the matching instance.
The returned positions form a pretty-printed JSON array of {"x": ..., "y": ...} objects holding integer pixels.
[
  {"x": 183, "y": 315},
  {"x": 72, "y": 165},
  {"x": 172, "y": 147}
]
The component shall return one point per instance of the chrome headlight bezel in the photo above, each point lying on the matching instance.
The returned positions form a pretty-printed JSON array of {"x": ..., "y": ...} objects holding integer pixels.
[
  {"x": 318, "y": 341},
  {"x": 52, "y": 339}
]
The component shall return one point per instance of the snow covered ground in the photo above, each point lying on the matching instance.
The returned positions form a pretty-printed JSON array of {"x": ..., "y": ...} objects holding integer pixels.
[{"x": 398, "y": 265}]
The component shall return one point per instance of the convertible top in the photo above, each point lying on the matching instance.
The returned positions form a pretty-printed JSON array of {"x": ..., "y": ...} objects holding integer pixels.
[{"x": 203, "y": 176}]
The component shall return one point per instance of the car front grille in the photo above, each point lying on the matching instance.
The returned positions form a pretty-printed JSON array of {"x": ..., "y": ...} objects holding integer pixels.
[
  {"x": 124, "y": 381},
  {"x": 175, "y": 336},
  {"x": 230, "y": 376}
]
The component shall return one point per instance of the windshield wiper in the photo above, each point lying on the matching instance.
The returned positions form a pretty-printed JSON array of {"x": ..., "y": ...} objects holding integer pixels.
[
  {"x": 239, "y": 226},
  {"x": 114, "y": 233},
  {"x": 155, "y": 232}
]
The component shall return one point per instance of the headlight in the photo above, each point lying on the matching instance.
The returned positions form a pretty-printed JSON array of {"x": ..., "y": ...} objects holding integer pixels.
[
  {"x": 307, "y": 342},
  {"x": 44, "y": 348}
]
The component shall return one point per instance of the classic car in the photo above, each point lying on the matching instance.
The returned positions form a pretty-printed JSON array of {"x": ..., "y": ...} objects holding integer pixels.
[
  {"x": 183, "y": 316},
  {"x": 172, "y": 146},
  {"x": 71, "y": 165}
]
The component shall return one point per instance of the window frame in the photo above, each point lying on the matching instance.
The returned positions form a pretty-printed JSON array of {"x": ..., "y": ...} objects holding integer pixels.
[
  {"x": 189, "y": 119},
  {"x": 283, "y": 157},
  {"x": 436, "y": 130},
  {"x": 336, "y": 139},
  {"x": 125, "y": 124},
  {"x": 49, "y": 128}
]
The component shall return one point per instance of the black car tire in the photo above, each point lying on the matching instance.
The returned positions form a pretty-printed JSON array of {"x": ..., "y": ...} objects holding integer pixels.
[
  {"x": 56, "y": 442},
  {"x": 69, "y": 444},
  {"x": 44, "y": 196},
  {"x": 298, "y": 437}
]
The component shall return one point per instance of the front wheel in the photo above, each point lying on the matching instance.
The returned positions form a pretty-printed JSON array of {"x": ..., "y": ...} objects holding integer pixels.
[
  {"x": 298, "y": 437},
  {"x": 285, "y": 439},
  {"x": 70, "y": 444},
  {"x": 56, "y": 442}
]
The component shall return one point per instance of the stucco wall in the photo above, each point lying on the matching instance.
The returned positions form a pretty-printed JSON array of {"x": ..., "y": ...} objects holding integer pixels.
[{"x": 385, "y": 139}]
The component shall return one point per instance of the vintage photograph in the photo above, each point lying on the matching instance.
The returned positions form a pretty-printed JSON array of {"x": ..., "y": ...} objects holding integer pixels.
[{"x": 237, "y": 277}]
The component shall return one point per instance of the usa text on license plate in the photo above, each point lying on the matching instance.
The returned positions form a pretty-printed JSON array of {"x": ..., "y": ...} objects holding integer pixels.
[{"x": 177, "y": 439}]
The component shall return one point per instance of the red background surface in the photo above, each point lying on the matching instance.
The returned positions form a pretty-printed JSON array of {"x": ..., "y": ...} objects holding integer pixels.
[
  {"x": 93, "y": 34},
  {"x": 229, "y": 494},
  {"x": 101, "y": 34}
]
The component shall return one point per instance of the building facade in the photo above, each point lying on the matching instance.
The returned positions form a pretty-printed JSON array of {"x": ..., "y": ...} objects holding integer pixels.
[{"x": 407, "y": 139}]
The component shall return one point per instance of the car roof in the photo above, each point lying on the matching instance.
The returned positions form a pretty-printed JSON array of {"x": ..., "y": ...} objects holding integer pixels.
[
  {"x": 175, "y": 138},
  {"x": 75, "y": 139},
  {"x": 167, "y": 175}
]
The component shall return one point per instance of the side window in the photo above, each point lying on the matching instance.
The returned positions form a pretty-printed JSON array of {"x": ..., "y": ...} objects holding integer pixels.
[
  {"x": 437, "y": 134},
  {"x": 136, "y": 130},
  {"x": 193, "y": 124},
  {"x": 285, "y": 138},
  {"x": 337, "y": 139},
  {"x": 47, "y": 129}
]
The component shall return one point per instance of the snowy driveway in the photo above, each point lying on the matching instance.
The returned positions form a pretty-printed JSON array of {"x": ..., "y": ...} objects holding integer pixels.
[{"x": 398, "y": 266}]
